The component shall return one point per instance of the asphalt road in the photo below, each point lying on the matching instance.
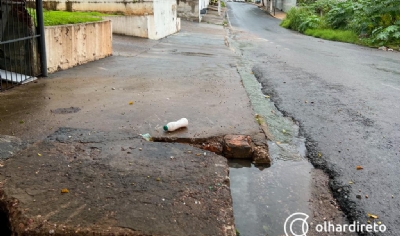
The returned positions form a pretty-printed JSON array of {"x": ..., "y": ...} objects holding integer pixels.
[{"x": 346, "y": 99}]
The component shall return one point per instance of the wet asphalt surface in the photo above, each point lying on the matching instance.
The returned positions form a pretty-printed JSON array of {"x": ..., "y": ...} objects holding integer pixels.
[{"x": 346, "y": 101}]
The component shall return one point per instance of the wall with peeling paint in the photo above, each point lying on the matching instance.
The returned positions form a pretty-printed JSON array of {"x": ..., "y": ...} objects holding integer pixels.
[
  {"x": 133, "y": 7},
  {"x": 162, "y": 23},
  {"x": 189, "y": 10},
  {"x": 152, "y": 19},
  {"x": 71, "y": 45},
  {"x": 166, "y": 20},
  {"x": 130, "y": 25},
  {"x": 283, "y": 5}
]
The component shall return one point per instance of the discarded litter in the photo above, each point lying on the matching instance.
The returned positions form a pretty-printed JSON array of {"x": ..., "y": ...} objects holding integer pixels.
[
  {"x": 172, "y": 126},
  {"x": 39, "y": 154},
  {"x": 131, "y": 103},
  {"x": 372, "y": 216},
  {"x": 359, "y": 167},
  {"x": 64, "y": 190},
  {"x": 147, "y": 137}
]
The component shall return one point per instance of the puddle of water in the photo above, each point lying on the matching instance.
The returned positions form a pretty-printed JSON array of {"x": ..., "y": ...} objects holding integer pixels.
[{"x": 264, "y": 198}]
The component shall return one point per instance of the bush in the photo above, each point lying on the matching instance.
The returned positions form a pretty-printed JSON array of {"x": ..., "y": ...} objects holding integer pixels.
[
  {"x": 340, "y": 15},
  {"x": 334, "y": 35},
  {"x": 299, "y": 19},
  {"x": 378, "y": 21}
]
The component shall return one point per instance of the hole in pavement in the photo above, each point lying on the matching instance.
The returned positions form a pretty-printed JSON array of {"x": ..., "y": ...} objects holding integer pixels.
[
  {"x": 230, "y": 146},
  {"x": 264, "y": 195},
  {"x": 5, "y": 229}
]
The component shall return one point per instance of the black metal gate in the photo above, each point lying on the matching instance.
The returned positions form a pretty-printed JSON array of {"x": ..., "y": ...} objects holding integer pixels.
[{"x": 22, "y": 44}]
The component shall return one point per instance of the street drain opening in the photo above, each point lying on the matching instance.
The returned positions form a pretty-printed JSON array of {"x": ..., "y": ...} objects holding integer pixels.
[
  {"x": 230, "y": 146},
  {"x": 5, "y": 228}
]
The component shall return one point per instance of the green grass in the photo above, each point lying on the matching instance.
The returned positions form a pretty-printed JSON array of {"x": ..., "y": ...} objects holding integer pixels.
[
  {"x": 334, "y": 35},
  {"x": 65, "y": 17}
]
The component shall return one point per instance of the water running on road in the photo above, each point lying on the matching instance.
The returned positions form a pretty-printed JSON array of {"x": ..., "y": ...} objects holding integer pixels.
[{"x": 264, "y": 197}]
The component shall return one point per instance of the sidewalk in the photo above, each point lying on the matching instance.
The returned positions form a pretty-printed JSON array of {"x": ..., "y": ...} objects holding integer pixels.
[
  {"x": 98, "y": 175},
  {"x": 277, "y": 14}
]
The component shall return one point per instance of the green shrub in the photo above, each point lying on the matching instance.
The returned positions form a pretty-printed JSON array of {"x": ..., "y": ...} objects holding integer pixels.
[
  {"x": 340, "y": 15},
  {"x": 309, "y": 22},
  {"x": 390, "y": 34},
  {"x": 377, "y": 22},
  {"x": 301, "y": 19},
  {"x": 321, "y": 7}
]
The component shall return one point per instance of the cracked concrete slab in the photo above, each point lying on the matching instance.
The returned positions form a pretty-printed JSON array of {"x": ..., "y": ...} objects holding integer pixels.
[{"x": 83, "y": 182}]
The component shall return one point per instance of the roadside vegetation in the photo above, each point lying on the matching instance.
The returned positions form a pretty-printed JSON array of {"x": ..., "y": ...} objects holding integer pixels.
[
  {"x": 64, "y": 17},
  {"x": 371, "y": 23}
]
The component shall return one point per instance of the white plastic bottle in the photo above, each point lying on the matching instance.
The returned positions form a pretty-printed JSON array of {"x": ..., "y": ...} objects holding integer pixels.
[{"x": 171, "y": 126}]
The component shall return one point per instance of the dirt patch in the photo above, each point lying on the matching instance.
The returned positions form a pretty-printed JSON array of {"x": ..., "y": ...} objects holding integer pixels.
[{"x": 254, "y": 148}]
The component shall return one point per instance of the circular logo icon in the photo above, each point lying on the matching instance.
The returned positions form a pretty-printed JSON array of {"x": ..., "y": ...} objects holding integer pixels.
[{"x": 296, "y": 224}]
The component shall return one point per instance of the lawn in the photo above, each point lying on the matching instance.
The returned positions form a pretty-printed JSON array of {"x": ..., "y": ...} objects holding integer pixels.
[{"x": 65, "y": 17}]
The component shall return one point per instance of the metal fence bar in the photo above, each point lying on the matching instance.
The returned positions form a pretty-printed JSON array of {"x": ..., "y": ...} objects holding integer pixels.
[
  {"x": 22, "y": 42},
  {"x": 42, "y": 40}
]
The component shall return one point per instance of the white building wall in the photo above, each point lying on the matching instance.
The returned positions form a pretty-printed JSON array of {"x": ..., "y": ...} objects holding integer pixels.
[
  {"x": 130, "y": 25},
  {"x": 152, "y": 19},
  {"x": 166, "y": 20},
  {"x": 288, "y": 4},
  {"x": 189, "y": 10},
  {"x": 203, "y": 4}
]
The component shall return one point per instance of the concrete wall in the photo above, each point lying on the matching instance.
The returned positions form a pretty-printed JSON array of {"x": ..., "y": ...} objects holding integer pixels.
[
  {"x": 152, "y": 19},
  {"x": 166, "y": 20},
  {"x": 283, "y": 5},
  {"x": 71, "y": 45},
  {"x": 130, "y": 25},
  {"x": 163, "y": 23},
  {"x": 133, "y": 7},
  {"x": 279, "y": 4},
  {"x": 288, "y": 4},
  {"x": 203, "y": 4},
  {"x": 189, "y": 10}
]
